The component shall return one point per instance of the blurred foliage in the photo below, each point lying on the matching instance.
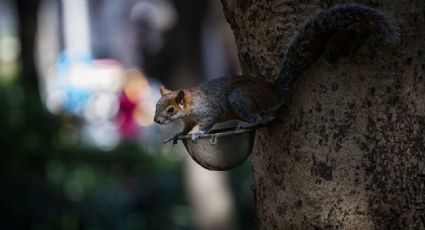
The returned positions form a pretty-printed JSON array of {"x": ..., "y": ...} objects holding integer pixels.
[{"x": 49, "y": 183}]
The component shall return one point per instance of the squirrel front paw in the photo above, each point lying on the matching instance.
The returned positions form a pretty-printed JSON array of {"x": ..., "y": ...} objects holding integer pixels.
[{"x": 196, "y": 135}]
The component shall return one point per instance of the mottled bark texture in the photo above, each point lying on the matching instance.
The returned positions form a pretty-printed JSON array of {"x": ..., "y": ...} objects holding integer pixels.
[{"x": 348, "y": 150}]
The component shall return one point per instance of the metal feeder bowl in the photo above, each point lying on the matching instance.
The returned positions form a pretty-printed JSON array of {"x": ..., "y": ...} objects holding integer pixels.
[{"x": 221, "y": 149}]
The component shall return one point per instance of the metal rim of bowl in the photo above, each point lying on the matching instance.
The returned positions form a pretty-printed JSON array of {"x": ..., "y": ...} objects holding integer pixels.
[{"x": 213, "y": 134}]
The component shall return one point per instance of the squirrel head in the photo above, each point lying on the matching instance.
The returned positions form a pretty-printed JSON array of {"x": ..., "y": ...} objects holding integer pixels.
[{"x": 171, "y": 106}]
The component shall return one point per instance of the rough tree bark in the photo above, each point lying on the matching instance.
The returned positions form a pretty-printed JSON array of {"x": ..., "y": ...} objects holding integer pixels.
[{"x": 348, "y": 151}]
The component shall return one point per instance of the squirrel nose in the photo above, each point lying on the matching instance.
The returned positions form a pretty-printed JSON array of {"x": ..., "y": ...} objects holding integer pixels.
[{"x": 156, "y": 120}]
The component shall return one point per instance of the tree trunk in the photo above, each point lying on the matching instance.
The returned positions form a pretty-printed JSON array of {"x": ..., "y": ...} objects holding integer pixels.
[
  {"x": 27, "y": 19},
  {"x": 348, "y": 150}
]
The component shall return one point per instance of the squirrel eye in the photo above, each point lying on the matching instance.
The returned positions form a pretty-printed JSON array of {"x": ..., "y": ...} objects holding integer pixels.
[{"x": 170, "y": 110}]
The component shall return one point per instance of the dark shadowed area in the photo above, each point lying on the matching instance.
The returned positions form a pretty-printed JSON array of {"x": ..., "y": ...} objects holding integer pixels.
[{"x": 78, "y": 85}]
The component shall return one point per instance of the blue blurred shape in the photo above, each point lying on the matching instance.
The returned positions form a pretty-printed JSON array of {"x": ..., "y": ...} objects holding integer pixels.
[{"x": 76, "y": 98}]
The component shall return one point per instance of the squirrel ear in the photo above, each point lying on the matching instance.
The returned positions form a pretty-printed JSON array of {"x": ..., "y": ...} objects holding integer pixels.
[
  {"x": 164, "y": 91},
  {"x": 180, "y": 97}
]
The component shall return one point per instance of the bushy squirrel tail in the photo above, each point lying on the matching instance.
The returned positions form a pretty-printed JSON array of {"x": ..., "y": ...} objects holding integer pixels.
[{"x": 335, "y": 32}]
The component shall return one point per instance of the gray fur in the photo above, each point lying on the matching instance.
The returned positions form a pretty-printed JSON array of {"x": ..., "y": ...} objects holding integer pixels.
[{"x": 209, "y": 103}]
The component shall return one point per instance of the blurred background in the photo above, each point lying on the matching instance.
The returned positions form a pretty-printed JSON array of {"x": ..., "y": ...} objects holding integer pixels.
[{"x": 79, "y": 80}]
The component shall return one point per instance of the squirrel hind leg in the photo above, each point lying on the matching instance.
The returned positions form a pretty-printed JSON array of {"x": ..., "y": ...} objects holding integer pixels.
[
  {"x": 248, "y": 125},
  {"x": 244, "y": 107},
  {"x": 269, "y": 117}
]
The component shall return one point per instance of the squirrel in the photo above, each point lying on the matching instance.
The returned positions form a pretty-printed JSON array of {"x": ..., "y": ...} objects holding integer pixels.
[{"x": 334, "y": 33}]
